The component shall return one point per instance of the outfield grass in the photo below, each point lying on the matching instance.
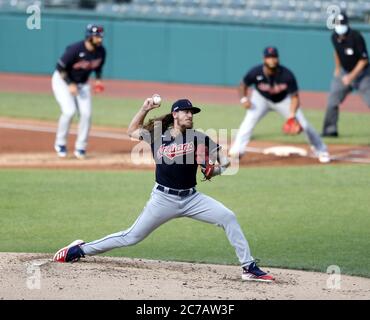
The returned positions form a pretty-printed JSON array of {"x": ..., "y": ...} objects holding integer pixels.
[
  {"x": 294, "y": 217},
  {"x": 354, "y": 127}
]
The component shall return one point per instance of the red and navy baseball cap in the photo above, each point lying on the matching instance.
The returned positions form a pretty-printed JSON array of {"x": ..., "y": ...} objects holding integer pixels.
[
  {"x": 184, "y": 104},
  {"x": 94, "y": 30},
  {"x": 271, "y": 52}
]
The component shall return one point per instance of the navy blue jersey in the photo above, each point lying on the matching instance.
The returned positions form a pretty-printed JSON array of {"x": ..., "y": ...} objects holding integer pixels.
[
  {"x": 274, "y": 88},
  {"x": 78, "y": 62},
  {"x": 175, "y": 157}
]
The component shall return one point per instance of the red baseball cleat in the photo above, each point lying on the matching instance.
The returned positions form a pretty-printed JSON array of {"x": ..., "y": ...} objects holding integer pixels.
[
  {"x": 253, "y": 273},
  {"x": 70, "y": 253}
]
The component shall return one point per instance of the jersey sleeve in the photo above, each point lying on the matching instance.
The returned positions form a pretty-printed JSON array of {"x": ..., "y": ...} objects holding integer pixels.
[
  {"x": 249, "y": 78},
  {"x": 99, "y": 70},
  {"x": 292, "y": 84},
  {"x": 67, "y": 58},
  {"x": 65, "y": 61},
  {"x": 361, "y": 47},
  {"x": 145, "y": 135}
]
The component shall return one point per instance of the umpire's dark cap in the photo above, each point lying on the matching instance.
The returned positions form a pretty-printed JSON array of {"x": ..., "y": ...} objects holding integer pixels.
[
  {"x": 271, "y": 52},
  {"x": 184, "y": 104},
  {"x": 341, "y": 18}
]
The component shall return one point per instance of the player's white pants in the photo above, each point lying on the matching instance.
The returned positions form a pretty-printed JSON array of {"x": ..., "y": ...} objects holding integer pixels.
[
  {"x": 69, "y": 105},
  {"x": 260, "y": 106},
  {"x": 163, "y": 207}
]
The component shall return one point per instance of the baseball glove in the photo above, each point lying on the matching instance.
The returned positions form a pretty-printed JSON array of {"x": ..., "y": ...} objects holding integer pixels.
[
  {"x": 292, "y": 127},
  {"x": 207, "y": 171},
  {"x": 202, "y": 158},
  {"x": 98, "y": 88}
]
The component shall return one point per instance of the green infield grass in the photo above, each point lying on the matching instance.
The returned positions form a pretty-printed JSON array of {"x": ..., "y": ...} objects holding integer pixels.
[
  {"x": 354, "y": 127},
  {"x": 294, "y": 217}
]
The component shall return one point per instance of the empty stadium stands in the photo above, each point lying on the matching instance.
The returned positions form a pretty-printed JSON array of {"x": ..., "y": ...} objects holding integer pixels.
[{"x": 298, "y": 11}]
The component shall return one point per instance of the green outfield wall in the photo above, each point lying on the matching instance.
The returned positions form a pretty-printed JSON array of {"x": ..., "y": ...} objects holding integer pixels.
[{"x": 170, "y": 51}]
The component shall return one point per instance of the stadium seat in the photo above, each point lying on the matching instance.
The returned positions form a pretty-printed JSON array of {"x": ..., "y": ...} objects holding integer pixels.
[
  {"x": 236, "y": 3},
  {"x": 190, "y": 3},
  {"x": 61, "y": 3},
  {"x": 212, "y": 3},
  {"x": 259, "y": 5},
  {"x": 108, "y": 8},
  {"x": 168, "y": 3},
  {"x": 282, "y": 5},
  {"x": 318, "y": 17},
  {"x": 161, "y": 11},
  {"x": 143, "y": 2},
  {"x": 296, "y": 16},
  {"x": 308, "y": 6}
]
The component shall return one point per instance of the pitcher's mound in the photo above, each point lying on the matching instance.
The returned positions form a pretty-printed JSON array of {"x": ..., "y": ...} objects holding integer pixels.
[{"x": 34, "y": 276}]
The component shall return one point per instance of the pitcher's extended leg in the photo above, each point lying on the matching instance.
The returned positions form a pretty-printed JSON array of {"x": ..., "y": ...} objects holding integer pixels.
[{"x": 157, "y": 211}]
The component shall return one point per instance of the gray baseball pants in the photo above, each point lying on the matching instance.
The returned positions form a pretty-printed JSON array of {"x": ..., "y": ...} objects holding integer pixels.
[
  {"x": 69, "y": 105},
  {"x": 163, "y": 207},
  {"x": 260, "y": 106},
  {"x": 338, "y": 92}
]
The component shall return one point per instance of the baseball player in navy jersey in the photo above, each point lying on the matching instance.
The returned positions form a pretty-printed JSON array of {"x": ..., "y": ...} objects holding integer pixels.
[
  {"x": 176, "y": 149},
  {"x": 72, "y": 90},
  {"x": 276, "y": 89}
]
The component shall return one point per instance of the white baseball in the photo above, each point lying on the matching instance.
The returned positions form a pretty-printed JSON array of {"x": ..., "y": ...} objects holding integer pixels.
[{"x": 156, "y": 99}]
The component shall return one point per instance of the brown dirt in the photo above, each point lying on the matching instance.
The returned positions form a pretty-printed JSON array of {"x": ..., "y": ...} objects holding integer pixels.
[
  {"x": 11, "y": 82},
  {"x": 125, "y": 278},
  {"x": 29, "y": 144}
]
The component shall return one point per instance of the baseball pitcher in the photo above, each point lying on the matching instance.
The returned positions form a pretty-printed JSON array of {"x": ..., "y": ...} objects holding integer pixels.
[
  {"x": 276, "y": 89},
  {"x": 178, "y": 150},
  {"x": 72, "y": 90}
]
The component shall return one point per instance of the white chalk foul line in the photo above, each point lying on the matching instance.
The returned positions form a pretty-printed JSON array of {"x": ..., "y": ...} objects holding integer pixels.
[
  {"x": 350, "y": 159},
  {"x": 97, "y": 134}
]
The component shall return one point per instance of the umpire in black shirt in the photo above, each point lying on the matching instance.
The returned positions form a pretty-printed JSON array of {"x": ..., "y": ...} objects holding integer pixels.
[{"x": 352, "y": 71}]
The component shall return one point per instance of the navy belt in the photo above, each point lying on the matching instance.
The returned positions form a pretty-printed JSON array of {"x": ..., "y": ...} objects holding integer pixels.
[{"x": 181, "y": 193}]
